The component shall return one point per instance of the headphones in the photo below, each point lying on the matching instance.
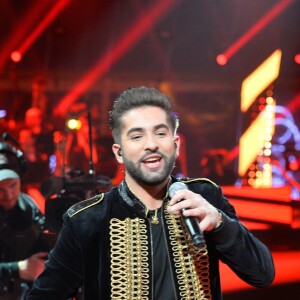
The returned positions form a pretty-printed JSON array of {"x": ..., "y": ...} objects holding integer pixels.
[
  {"x": 120, "y": 152},
  {"x": 11, "y": 158}
]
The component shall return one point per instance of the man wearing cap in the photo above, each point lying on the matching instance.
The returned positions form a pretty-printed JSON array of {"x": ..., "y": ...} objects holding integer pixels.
[{"x": 21, "y": 257}]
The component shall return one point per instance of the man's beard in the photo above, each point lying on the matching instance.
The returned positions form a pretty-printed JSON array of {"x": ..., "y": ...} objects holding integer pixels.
[{"x": 148, "y": 178}]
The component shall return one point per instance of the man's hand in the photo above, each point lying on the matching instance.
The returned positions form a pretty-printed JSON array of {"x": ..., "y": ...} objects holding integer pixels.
[
  {"x": 30, "y": 268},
  {"x": 195, "y": 206}
]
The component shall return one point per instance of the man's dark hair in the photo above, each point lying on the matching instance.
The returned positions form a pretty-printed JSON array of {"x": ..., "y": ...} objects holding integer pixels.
[{"x": 137, "y": 97}]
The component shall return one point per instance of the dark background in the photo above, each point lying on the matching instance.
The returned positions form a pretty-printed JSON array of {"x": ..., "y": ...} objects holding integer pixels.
[{"x": 180, "y": 49}]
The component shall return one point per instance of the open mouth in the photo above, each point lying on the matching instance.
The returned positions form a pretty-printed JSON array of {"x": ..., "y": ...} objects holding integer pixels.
[{"x": 152, "y": 162}]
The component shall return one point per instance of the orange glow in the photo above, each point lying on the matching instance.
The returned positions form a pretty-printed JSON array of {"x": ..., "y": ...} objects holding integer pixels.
[
  {"x": 280, "y": 193},
  {"x": 271, "y": 205},
  {"x": 74, "y": 124},
  {"x": 256, "y": 28},
  {"x": 38, "y": 198},
  {"x": 131, "y": 36},
  {"x": 287, "y": 266},
  {"x": 263, "y": 211},
  {"x": 252, "y": 141},
  {"x": 297, "y": 58},
  {"x": 260, "y": 79},
  {"x": 221, "y": 59},
  {"x": 16, "y": 56}
]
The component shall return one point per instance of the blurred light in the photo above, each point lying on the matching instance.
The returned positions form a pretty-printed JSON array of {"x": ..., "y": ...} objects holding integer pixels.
[
  {"x": 252, "y": 167},
  {"x": 294, "y": 165},
  {"x": 16, "y": 56},
  {"x": 2, "y": 113},
  {"x": 52, "y": 163},
  {"x": 258, "y": 174},
  {"x": 258, "y": 182},
  {"x": 268, "y": 145},
  {"x": 262, "y": 100},
  {"x": 139, "y": 28},
  {"x": 268, "y": 137},
  {"x": 256, "y": 28},
  {"x": 40, "y": 28},
  {"x": 267, "y": 152},
  {"x": 73, "y": 124},
  {"x": 251, "y": 174},
  {"x": 267, "y": 181},
  {"x": 251, "y": 181},
  {"x": 260, "y": 79},
  {"x": 221, "y": 59},
  {"x": 255, "y": 137},
  {"x": 297, "y": 58}
]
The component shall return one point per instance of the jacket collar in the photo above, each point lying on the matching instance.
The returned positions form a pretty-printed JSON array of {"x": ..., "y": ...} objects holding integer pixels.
[{"x": 133, "y": 201}]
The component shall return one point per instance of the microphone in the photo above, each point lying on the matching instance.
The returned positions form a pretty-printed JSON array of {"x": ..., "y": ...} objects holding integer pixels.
[{"x": 190, "y": 222}]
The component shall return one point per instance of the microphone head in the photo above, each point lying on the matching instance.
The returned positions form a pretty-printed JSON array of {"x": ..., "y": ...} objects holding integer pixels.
[{"x": 177, "y": 186}]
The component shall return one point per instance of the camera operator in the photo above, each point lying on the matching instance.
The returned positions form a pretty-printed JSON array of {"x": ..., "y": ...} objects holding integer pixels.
[{"x": 23, "y": 247}]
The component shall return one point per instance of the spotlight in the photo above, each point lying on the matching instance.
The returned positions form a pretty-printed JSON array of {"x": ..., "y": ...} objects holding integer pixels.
[
  {"x": 74, "y": 124},
  {"x": 16, "y": 56},
  {"x": 2, "y": 113},
  {"x": 221, "y": 59},
  {"x": 297, "y": 58}
]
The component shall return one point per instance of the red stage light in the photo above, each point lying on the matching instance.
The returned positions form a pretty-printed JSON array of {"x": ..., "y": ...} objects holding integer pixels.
[
  {"x": 130, "y": 37},
  {"x": 221, "y": 59},
  {"x": 297, "y": 58},
  {"x": 257, "y": 27},
  {"x": 52, "y": 14},
  {"x": 16, "y": 56}
]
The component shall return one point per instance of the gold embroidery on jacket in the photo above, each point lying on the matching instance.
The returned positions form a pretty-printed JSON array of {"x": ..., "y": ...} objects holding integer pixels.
[
  {"x": 129, "y": 259},
  {"x": 191, "y": 263}
]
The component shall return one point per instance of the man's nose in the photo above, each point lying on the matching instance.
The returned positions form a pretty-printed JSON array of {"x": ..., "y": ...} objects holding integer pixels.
[
  {"x": 151, "y": 144},
  {"x": 9, "y": 193}
]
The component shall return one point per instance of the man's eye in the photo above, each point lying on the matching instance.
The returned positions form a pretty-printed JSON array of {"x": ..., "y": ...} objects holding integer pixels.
[
  {"x": 136, "y": 137},
  {"x": 161, "y": 133}
]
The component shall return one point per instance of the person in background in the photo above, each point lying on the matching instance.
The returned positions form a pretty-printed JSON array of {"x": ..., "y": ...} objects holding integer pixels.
[
  {"x": 36, "y": 140},
  {"x": 22, "y": 244},
  {"x": 216, "y": 165},
  {"x": 133, "y": 242}
]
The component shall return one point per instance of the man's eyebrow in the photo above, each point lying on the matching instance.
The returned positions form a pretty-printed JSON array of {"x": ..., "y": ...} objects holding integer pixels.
[
  {"x": 135, "y": 129},
  {"x": 162, "y": 125},
  {"x": 140, "y": 129}
]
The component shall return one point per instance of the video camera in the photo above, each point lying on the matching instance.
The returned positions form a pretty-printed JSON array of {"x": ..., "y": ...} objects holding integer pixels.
[{"x": 62, "y": 192}]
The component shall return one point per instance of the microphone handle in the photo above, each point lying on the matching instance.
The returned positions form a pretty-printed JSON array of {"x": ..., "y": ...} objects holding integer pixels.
[{"x": 194, "y": 230}]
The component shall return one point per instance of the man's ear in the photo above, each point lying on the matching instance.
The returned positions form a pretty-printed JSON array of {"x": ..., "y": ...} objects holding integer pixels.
[
  {"x": 116, "y": 148},
  {"x": 177, "y": 144}
]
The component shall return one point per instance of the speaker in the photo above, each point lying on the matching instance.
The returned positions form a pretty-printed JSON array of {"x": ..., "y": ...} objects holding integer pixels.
[{"x": 11, "y": 158}]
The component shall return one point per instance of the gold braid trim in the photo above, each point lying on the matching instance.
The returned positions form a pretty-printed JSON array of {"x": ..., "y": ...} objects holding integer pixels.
[
  {"x": 191, "y": 263},
  {"x": 129, "y": 259}
]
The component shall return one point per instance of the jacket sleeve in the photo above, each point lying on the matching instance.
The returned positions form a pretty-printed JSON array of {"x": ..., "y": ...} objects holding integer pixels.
[
  {"x": 237, "y": 247},
  {"x": 62, "y": 275},
  {"x": 8, "y": 270}
]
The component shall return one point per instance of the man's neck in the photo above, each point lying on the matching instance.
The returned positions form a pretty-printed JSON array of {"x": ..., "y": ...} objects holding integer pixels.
[{"x": 151, "y": 196}]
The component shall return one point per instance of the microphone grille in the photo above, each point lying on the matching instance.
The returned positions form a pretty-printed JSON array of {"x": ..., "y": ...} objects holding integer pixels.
[{"x": 177, "y": 186}]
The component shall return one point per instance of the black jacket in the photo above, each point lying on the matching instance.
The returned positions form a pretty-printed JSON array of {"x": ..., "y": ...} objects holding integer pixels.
[
  {"x": 20, "y": 237},
  {"x": 105, "y": 246}
]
